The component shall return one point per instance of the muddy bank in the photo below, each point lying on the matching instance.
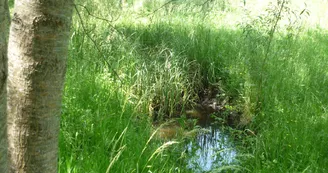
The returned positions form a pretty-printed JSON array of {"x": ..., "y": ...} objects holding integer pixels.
[
  {"x": 212, "y": 106},
  {"x": 207, "y": 147}
]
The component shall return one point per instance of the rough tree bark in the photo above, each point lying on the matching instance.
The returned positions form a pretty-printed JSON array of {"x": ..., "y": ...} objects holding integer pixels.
[
  {"x": 4, "y": 24},
  {"x": 38, "y": 43}
]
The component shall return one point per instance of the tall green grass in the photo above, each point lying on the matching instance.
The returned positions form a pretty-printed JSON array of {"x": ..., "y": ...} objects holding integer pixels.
[
  {"x": 155, "y": 61},
  {"x": 102, "y": 128}
]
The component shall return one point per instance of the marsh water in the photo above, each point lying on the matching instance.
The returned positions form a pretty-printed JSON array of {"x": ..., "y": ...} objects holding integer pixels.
[{"x": 211, "y": 149}]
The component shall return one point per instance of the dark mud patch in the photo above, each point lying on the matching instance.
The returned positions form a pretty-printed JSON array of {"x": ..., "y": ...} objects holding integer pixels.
[{"x": 212, "y": 105}]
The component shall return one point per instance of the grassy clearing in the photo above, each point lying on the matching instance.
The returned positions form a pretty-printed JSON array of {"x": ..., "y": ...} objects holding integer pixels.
[{"x": 161, "y": 61}]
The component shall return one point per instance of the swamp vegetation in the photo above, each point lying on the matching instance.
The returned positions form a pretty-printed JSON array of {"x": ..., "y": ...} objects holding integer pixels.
[{"x": 258, "y": 69}]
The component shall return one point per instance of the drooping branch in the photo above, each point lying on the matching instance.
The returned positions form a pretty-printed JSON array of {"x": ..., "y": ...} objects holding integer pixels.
[
  {"x": 100, "y": 18},
  {"x": 95, "y": 43}
]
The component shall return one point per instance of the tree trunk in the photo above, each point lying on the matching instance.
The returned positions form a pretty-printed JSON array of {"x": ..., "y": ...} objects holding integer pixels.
[
  {"x": 38, "y": 44},
  {"x": 4, "y": 25}
]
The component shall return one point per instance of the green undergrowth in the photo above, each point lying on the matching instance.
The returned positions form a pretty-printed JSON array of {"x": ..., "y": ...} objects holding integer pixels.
[
  {"x": 123, "y": 74},
  {"x": 101, "y": 130}
]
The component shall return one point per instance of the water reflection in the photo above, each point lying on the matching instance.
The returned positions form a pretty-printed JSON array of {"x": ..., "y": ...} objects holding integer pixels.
[{"x": 211, "y": 149}]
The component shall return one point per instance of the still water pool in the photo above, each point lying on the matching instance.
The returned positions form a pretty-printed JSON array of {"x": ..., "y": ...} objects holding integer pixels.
[{"x": 210, "y": 150}]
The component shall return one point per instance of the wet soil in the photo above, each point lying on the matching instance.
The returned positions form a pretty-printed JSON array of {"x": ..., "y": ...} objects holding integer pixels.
[{"x": 210, "y": 147}]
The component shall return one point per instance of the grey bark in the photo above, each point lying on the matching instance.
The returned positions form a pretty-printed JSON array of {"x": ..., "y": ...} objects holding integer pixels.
[
  {"x": 4, "y": 24},
  {"x": 38, "y": 45}
]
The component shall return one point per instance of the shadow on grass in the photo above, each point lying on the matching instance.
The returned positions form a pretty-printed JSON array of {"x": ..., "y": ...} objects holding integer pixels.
[
  {"x": 170, "y": 63},
  {"x": 293, "y": 97}
]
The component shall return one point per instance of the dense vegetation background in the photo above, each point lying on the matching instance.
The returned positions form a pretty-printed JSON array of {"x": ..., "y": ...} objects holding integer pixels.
[{"x": 131, "y": 58}]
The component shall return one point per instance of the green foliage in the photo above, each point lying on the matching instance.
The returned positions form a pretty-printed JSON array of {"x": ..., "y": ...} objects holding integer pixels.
[
  {"x": 157, "y": 58},
  {"x": 102, "y": 129}
]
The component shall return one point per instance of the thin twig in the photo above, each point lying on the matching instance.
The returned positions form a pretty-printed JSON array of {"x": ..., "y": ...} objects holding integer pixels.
[
  {"x": 203, "y": 6},
  {"x": 205, "y": 2},
  {"x": 95, "y": 44},
  {"x": 271, "y": 34},
  {"x": 168, "y": 2},
  {"x": 101, "y": 18}
]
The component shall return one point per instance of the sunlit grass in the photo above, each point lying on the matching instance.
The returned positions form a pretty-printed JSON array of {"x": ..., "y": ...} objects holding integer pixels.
[{"x": 164, "y": 59}]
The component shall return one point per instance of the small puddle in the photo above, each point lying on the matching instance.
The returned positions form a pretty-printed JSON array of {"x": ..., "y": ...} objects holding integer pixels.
[{"x": 211, "y": 149}]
